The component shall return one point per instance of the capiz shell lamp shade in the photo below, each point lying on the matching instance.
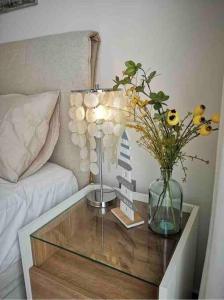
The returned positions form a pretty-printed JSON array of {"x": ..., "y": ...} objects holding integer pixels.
[{"x": 97, "y": 122}]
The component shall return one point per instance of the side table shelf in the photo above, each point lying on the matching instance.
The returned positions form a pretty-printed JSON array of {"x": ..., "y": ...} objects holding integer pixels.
[
  {"x": 74, "y": 251},
  {"x": 65, "y": 275}
]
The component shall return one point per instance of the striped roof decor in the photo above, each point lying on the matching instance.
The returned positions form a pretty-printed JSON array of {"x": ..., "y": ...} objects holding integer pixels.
[
  {"x": 124, "y": 136},
  {"x": 124, "y": 161}
]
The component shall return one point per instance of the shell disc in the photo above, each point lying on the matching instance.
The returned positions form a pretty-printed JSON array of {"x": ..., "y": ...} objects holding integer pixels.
[
  {"x": 118, "y": 129},
  {"x": 75, "y": 139},
  {"x": 76, "y": 99},
  {"x": 108, "y": 127},
  {"x": 81, "y": 127},
  {"x": 80, "y": 113},
  {"x": 92, "y": 143},
  {"x": 72, "y": 113},
  {"x": 91, "y": 100},
  {"x": 94, "y": 168},
  {"x": 90, "y": 115},
  {"x": 84, "y": 165},
  {"x": 84, "y": 152},
  {"x": 92, "y": 129},
  {"x": 93, "y": 156},
  {"x": 82, "y": 140},
  {"x": 72, "y": 126}
]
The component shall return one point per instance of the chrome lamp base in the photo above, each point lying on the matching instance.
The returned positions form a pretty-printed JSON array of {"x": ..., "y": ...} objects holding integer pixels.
[{"x": 101, "y": 199}]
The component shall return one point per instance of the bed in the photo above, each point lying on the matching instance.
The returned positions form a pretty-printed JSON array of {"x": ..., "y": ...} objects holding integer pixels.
[
  {"x": 21, "y": 203},
  {"x": 58, "y": 62}
]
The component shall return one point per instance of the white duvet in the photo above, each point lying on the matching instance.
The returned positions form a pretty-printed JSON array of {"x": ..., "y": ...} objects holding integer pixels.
[{"x": 22, "y": 202}]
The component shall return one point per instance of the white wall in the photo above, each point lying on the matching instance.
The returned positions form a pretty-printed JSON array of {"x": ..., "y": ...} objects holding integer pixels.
[{"x": 182, "y": 39}]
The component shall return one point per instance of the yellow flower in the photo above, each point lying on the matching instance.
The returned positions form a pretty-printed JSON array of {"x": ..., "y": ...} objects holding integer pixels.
[
  {"x": 205, "y": 130},
  {"x": 136, "y": 127},
  {"x": 197, "y": 120},
  {"x": 215, "y": 118},
  {"x": 199, "y": 110},
  {"x": 173, "y": 117},
  {"x": 130, "y": 91},
  {"x": 143, "y": 103},
  {"x": 134, "y": 101}
]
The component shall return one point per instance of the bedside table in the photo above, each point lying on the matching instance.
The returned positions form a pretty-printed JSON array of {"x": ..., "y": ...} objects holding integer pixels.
[{"x": 82, "y": 252}]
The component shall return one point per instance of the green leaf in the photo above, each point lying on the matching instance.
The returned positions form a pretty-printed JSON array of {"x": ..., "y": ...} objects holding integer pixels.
[
  {"x": 165, "y": 97},
  {"x": 153, "y": 96},
  {"x": 117, "y": 78},
  {"x": 152, "y": 102},
  {"x": 139, "y": 89},
  {"x": 125, "y": 80},
  {"x": 157, "y": 106},
  {"x": 151, "y": 76},
  {"x": 115, "y": 87},
  {"x": 159, "y": 97},
  {"x": 162, "y": 96},
  {"x": 130, "y": 71},
  {"x": 117, "y": 82},
  {"x": 139, "y": 65},
  {"x": 130, "y": 64}
]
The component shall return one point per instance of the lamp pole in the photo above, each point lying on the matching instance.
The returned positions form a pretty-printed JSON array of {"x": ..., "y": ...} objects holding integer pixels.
[
  {"x": 101, "y": 197},
  {"x": 100, "y": 159}
]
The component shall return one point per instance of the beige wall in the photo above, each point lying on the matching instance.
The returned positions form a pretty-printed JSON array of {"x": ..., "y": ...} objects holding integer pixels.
[{"x": 182, "y": 39}]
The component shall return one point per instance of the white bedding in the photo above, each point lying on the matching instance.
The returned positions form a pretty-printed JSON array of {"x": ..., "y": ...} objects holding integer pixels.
[
  {"x": 22, "y": 202},
  {"x": 10, "y": 279}
]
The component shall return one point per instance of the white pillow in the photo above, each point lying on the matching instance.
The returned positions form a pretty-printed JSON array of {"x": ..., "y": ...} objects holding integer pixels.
[{"x": 28, "y": 133}]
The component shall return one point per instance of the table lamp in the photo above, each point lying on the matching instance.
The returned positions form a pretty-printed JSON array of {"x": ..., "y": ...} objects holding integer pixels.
[{"x": 97, "y": 122}]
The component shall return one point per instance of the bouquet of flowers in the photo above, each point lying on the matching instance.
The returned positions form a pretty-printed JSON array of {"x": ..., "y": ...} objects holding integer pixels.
[{"x": 164, "y": 134}]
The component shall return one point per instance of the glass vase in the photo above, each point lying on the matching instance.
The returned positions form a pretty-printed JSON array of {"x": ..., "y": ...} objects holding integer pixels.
[{"x": 165, "y": 204}]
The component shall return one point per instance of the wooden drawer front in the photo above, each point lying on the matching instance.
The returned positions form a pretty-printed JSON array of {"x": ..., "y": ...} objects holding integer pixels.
[
  {"x": 65, "y": 275},
  {"x": 45, "y": 286}
]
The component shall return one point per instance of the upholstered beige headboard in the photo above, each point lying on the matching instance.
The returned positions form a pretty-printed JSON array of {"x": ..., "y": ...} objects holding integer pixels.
[{"x": 64, "y": 61}]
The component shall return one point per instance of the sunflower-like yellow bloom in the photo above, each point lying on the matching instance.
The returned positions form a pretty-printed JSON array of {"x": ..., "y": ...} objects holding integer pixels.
[
  {"x": 205, "y": 130},
  {"x": 215, "y": 118},
  {"x": 199, "y": 110},
  {"x": 173, "y": 117},
  {"x": 197, "y": 120}
]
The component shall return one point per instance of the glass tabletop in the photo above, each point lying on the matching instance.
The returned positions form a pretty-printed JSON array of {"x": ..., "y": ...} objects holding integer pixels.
[{"x": 99, "y": 236}]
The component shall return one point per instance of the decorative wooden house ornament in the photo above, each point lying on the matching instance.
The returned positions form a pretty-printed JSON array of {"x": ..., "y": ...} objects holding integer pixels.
[{"x": 126, "y": 213}]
